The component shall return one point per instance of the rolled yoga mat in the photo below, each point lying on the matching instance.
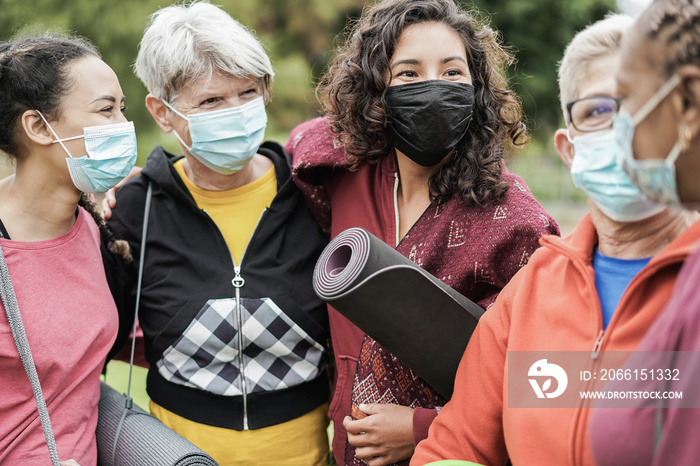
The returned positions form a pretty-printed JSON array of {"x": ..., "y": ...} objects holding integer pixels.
[
  {"x": 143, "y": 439},
  {"x": 422, "y": 321}
]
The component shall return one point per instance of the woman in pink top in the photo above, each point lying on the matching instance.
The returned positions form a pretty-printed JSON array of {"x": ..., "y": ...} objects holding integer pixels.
[{"x": 62, "y": 122}]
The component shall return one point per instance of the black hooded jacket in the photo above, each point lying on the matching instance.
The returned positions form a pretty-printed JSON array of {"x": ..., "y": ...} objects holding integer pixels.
[{"x": 191, "y": 312}]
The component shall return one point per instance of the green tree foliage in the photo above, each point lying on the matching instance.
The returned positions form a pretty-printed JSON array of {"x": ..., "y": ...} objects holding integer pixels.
[
  {"x": 300, "y": 36},
  {"x": 539, "y": 30}
]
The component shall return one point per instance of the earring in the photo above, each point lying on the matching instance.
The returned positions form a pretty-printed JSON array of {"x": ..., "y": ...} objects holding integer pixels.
[{"x": 685, "y": 137}]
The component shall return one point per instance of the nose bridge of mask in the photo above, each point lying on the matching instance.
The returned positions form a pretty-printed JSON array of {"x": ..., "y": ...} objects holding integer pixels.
[
  {"x": 237, "y": 123},
  {"x": 119, "y": 137},
  {"x": 656, "y": 99},
  {"x": 242, "y": 120}
]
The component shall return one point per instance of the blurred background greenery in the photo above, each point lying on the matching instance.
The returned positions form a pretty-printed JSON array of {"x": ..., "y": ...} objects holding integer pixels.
[{"x": 301, "y": 37}]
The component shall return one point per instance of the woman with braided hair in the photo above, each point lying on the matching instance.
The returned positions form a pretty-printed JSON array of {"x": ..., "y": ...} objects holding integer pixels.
[
  {"x": 657, "y": 131},
  {"x": 62, "y": 122}
]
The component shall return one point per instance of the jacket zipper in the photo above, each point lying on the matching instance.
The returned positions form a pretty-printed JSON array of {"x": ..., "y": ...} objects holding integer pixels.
[
  {"x": 598, "y": 344},
  {"x": 595, "y": 351},
  {"x": 600, "y": 339},
  {"x": 238, "y": 282}
]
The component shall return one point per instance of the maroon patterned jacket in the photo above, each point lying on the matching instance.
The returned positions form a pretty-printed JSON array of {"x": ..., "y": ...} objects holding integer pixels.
[{"x": 474, "y": 250}]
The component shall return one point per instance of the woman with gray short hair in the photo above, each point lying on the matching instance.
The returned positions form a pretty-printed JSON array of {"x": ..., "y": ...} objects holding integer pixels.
[{"x": 234, "y": 335}]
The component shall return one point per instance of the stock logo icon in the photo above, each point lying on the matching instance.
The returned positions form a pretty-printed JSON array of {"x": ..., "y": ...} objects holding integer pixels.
[{"x": 543, "y": 371}]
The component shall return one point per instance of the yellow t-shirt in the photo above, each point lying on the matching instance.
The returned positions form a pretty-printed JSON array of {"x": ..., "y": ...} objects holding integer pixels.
[
  {"x": 235, "y": 211},
  {"x": 300, "y": 442}
]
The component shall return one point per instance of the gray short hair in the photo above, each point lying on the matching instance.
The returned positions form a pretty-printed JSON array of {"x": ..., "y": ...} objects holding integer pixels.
[
  {"x": 184, "y": 42},
  {"x": 600, "y": 39}
]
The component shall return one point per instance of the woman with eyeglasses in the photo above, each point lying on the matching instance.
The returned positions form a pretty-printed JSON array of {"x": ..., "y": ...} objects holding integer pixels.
[{"x": 580, "y": 302}]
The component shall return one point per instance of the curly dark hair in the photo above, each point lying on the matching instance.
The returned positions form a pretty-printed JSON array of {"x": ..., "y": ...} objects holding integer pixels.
[
  {"x": 677, "y": 23},
  {"x": 352, "y": 97},
  {"x": 35, "y": 75}
]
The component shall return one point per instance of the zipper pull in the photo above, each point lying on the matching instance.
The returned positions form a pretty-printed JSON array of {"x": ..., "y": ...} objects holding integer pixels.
[
  {"x": 237, "y": 281},
  {"x": 598, "y": 344}
]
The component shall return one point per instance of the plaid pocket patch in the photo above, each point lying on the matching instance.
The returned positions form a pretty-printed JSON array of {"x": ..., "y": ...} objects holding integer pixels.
[{"x": 276, "y": 352}]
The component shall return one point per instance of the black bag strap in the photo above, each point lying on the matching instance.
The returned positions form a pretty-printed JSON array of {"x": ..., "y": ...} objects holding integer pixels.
[
  {"x": 129, "y": 401},
  {"x": 9, "y": 301}
]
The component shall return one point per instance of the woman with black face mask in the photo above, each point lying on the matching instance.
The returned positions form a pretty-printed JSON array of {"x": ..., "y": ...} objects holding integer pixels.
[{"x": 417, "y": 114}]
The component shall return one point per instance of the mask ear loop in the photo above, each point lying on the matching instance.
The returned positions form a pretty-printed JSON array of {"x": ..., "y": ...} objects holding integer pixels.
[
  {"x": 174, "y": 110},
  {"x": 184, "y": 117},
  {"x": 571, "y": 141},
  {"x": 58, "y": 140},
  {"x": 656, "y": 99},
  {"x": 189, "y": 149},
  {"x": 682, "y": 145}
]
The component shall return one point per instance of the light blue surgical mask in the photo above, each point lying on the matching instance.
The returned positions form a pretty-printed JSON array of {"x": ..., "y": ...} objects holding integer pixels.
[
  {"x": 656, "y": 178},
  {"x": 111, "y": 154},
  {"x": 226, "y": 140},
  {"x": 595, "y": 169}
]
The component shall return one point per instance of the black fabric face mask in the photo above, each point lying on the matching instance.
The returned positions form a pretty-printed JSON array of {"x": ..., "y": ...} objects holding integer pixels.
[{"x": 427, "y": 119}]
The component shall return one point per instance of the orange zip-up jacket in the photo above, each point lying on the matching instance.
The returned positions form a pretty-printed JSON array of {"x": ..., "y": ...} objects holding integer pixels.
[{"x": 551, "y": 304}]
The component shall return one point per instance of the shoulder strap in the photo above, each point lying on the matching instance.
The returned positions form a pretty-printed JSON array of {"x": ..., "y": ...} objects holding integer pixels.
[
  {"x": 129, "y": 401},
  {"x": 9, "y": 300},
  {"x": 3, "y": 231},
  {"x": 142, "y": 254}
]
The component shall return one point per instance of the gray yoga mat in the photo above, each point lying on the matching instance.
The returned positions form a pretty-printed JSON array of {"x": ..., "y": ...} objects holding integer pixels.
[
  {"x": 143, "y": 440},
  {"x": 421, "y": 320}
]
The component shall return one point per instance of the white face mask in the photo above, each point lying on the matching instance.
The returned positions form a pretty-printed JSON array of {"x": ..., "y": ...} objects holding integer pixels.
[
  {"x": 596, "y": 170},
  {"x": 112, "y": 153},
  {"x": 656, "y": 178},
  {"x": 226, "y": 140}
]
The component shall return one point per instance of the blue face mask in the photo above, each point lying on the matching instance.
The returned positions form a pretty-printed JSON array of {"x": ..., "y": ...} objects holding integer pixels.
[
  {"x": 596, "y": 170},
  {"x": 226, "y": 140},
  {"x": 112, "y": 153},
  {"x": 656, "y": 178}
]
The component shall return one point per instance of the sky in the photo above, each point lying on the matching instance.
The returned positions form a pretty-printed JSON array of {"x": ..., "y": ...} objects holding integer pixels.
[{"x": 632, "y": 7}]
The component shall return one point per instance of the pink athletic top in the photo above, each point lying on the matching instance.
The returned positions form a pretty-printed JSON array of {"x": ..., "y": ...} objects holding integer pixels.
[{"x": 71, "y": 322}]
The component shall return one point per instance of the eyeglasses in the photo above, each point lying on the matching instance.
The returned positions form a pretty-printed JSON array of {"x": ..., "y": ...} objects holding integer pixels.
[{"x": 592, "y": 113}]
